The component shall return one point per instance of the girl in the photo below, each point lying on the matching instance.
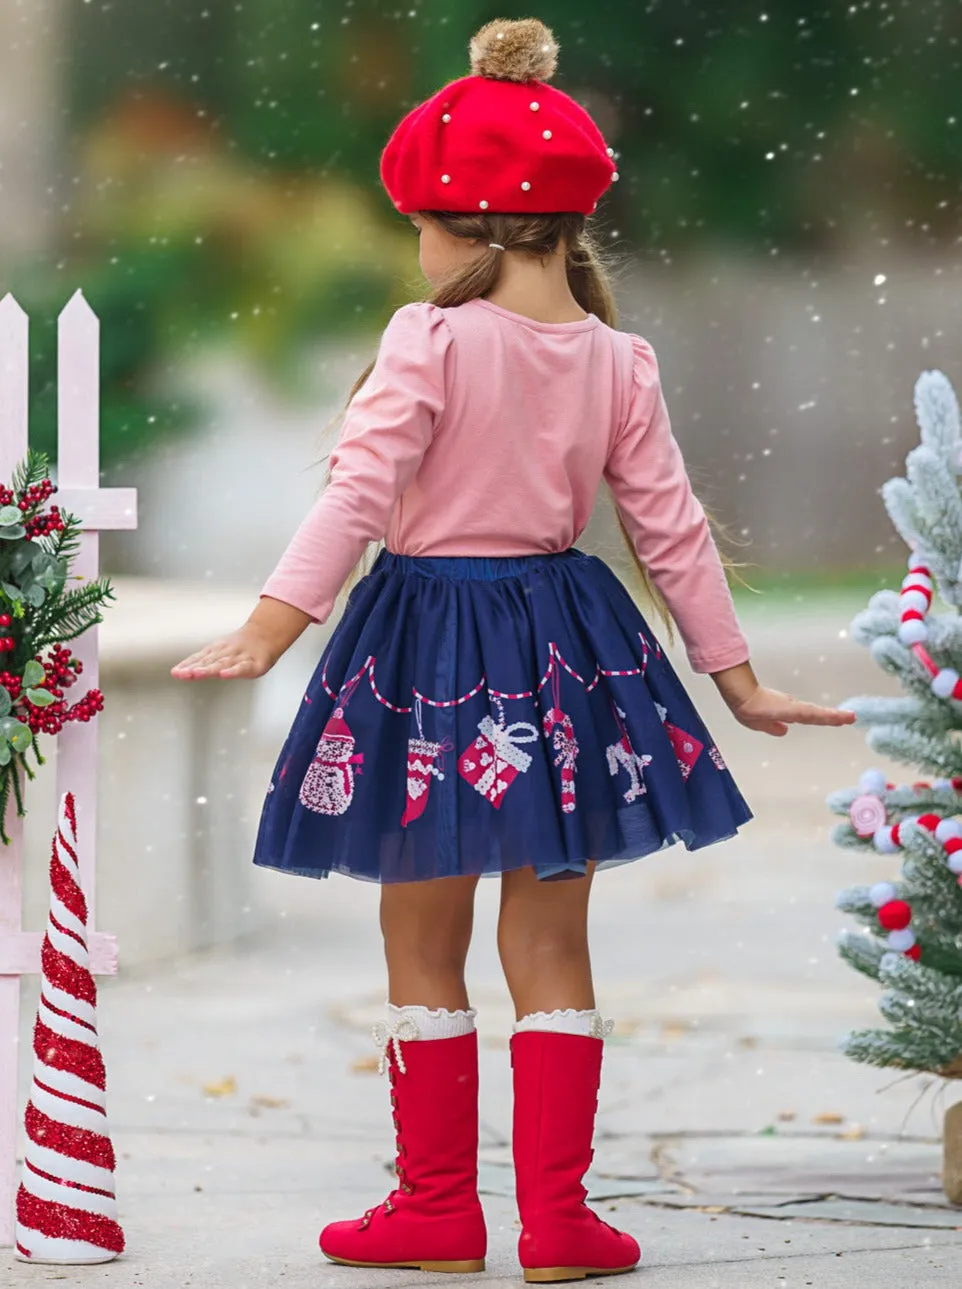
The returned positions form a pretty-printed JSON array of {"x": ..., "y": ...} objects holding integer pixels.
[{"x": 492, "y": 701}]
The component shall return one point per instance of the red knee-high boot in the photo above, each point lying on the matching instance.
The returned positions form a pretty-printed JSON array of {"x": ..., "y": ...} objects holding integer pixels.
[
  {"x": 556, "y": 1081},
  {"x": 432, "y": 1220}
]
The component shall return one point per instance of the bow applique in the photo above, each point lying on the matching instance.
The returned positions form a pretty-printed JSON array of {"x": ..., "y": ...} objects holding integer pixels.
[{"x": 386, "y": 1036}]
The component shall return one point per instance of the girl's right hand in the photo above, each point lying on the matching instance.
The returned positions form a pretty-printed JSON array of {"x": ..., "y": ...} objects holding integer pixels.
[{"x": 243, "y": 655}]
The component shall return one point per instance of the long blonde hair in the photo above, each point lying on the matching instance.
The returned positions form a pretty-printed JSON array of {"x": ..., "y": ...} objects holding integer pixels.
[{"x": 588, "y": 278}]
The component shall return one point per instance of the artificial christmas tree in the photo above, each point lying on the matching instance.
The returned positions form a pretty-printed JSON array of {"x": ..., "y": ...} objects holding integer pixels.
[{"x": 912, "y": 937}]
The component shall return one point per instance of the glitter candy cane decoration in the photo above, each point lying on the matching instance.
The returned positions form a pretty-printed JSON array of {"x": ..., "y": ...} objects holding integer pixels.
[
  {"x": 559, "y": 730},
  {"x": 66, "y": 1206},
  {"x": 915, "y": 601}
]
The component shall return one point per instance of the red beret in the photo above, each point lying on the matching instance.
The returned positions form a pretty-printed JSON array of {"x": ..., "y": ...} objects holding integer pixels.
[{"x": 499, "y": 141}]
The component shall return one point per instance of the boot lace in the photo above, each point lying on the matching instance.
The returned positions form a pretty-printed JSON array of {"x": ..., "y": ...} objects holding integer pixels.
[{"x": 388, "y": 1037}]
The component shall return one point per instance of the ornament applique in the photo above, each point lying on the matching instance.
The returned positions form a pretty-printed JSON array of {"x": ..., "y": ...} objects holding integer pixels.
[
  {"x": 622, "y": 756},
  {"x": 425, "y": 759},
  {"x": 328, "y": 785},
  {"x": 686, "y": 747},
  {"x": 717, "y": 760},
  {"x": 559, "y": 731},
  {"x": 494, "y": 759}
]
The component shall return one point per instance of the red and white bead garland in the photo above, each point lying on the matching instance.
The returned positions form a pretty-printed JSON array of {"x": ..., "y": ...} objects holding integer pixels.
[
  {"x": 869, "y": 819},
  {"x": 895, "y": 917},
  {"x": 915, "y": 600}
]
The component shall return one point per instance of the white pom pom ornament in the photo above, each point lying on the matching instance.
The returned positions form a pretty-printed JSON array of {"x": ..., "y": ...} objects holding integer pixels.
[
  {"x": 881, "y": 893},
  {"x": 884, "y": 842},
  {"x": 946, "y": 829},
  {"x": 900, "y": 941},
  {"x": 944, "y": 681},
  {"x": 912, "y": 632},
  {"x": 872, "y": 781}
]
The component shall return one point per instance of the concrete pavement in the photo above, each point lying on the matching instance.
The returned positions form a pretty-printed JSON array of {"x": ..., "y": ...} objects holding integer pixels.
[{"x": 733, "y": 1139}]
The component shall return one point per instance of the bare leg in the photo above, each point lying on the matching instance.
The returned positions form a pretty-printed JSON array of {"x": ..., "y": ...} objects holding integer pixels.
[
  {"x": 543, "y": 942},
  {"x": 427, "y": 932}
]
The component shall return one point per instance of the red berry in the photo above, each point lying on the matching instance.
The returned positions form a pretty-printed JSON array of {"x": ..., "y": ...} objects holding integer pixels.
[
  {"x": 5, "y": 619},
  {"x": 914, "y": 953}
]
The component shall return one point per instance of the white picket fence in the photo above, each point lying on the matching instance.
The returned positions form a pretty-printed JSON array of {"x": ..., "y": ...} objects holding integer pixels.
[{"x": 100, "y": 509}]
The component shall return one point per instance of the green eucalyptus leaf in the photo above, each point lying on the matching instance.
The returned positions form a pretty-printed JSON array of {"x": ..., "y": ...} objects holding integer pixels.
[
  {"x": 6, "y": 753},
  {"x": 5, "y": 702},
  {"x": 10, "y": 515},
  {"x": 21, "y": 558},
  {"x": 15, "y": 733},
  {"x": 10, "y": 591},
  {"x": 33, "y": 673},
  {"x": 40, "y": 697},
  {"x": 34, "y": 594},
  {"x": 12, "y": 533}
]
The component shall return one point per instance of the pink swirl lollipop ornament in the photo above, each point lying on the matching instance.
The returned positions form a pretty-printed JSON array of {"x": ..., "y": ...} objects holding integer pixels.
[{"x": 867, "y": 813}]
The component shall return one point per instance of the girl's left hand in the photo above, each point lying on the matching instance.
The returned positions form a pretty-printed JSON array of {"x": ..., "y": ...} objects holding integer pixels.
[{"x": 771, "y": 712}]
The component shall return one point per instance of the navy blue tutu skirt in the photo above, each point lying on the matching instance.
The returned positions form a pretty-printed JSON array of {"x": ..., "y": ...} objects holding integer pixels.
[{"x": 473, "y": 715}]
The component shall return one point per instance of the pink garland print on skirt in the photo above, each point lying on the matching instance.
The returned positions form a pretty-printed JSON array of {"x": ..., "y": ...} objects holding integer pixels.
[
  {"x": 495, "y": 759},
  {"x": 559, "y": 730},
  {"x": 422, "y": 756},
  {"x": 328, "y": 785},
  {"x": 622, "y": 756}
]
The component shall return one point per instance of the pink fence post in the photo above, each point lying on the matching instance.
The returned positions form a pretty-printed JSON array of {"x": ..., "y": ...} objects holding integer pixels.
[
  {"x": 99, "y": 509},
  {"x": 14, "y": 326}
]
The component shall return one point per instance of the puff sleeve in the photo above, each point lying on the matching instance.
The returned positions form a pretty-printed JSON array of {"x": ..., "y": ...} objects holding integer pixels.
[
  {"x": 667, "y": 524},
  {"x": 388, "y": 427}
]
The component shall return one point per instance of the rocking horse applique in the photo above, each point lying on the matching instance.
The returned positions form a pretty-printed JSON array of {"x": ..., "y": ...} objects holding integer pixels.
[{"x": 622, "y": 756}]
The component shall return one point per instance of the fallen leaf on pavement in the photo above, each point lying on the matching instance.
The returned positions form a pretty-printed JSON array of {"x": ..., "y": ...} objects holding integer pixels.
[
  {"x": 786, "y": 1116},
  {"x": 829, "y": 1116},
  {"x": 364, "y": 1065},
  {"x": 855, "y": 1132},
  {"x": 269, "y": 1103},
  {"x": 225, "y": 1087}
]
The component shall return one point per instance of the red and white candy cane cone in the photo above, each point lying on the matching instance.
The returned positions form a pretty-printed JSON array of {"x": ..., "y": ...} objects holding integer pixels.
[{"x": 66, "y": 1205}]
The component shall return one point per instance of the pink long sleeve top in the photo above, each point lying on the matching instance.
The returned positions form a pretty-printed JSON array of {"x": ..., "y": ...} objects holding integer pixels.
[{"x": 483, "y": 432}]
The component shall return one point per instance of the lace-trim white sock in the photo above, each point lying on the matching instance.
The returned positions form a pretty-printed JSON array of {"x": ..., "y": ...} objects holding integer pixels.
[
  {"x": 413, "y": 1024},
  {"x": 436, "y": 1023},
  {"x": 566, "y": 1021}
]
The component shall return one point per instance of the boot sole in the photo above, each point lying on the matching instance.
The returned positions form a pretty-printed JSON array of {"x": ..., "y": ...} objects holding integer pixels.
[
  {"x": 551, "y": 1275},
  {"x": 456, "y": 1268}
]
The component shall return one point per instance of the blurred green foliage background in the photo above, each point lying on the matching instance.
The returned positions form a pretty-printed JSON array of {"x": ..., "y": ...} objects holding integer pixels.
[{"x": 221, "y": 159}]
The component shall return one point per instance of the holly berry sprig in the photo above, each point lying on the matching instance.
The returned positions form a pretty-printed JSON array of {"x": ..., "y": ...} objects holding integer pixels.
[{"x": 39, "y": 614}]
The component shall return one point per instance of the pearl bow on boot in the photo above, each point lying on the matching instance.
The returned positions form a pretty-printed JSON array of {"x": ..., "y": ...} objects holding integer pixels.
[
  {"x": 432, "y": 1220},
  {"x": 556, "y": 1081}
]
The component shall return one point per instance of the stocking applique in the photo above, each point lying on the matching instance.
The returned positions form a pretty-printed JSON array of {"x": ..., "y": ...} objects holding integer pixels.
[
  {"x": 622, "y": 756},
  {"x": 328, "y": 786},
  {"x": 422, "y": 756},
  {"x": 494, "y": 759},
  {"x": 559, "y": 730},
  {"x": 687, "y": 748}
]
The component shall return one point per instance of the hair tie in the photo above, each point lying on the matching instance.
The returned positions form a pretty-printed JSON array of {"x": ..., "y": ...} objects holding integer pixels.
[{"x": 496, "y": 246}]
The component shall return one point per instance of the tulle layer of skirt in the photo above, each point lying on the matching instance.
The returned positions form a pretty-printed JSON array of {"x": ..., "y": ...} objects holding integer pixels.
[{"x": 471, "y": 716}]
